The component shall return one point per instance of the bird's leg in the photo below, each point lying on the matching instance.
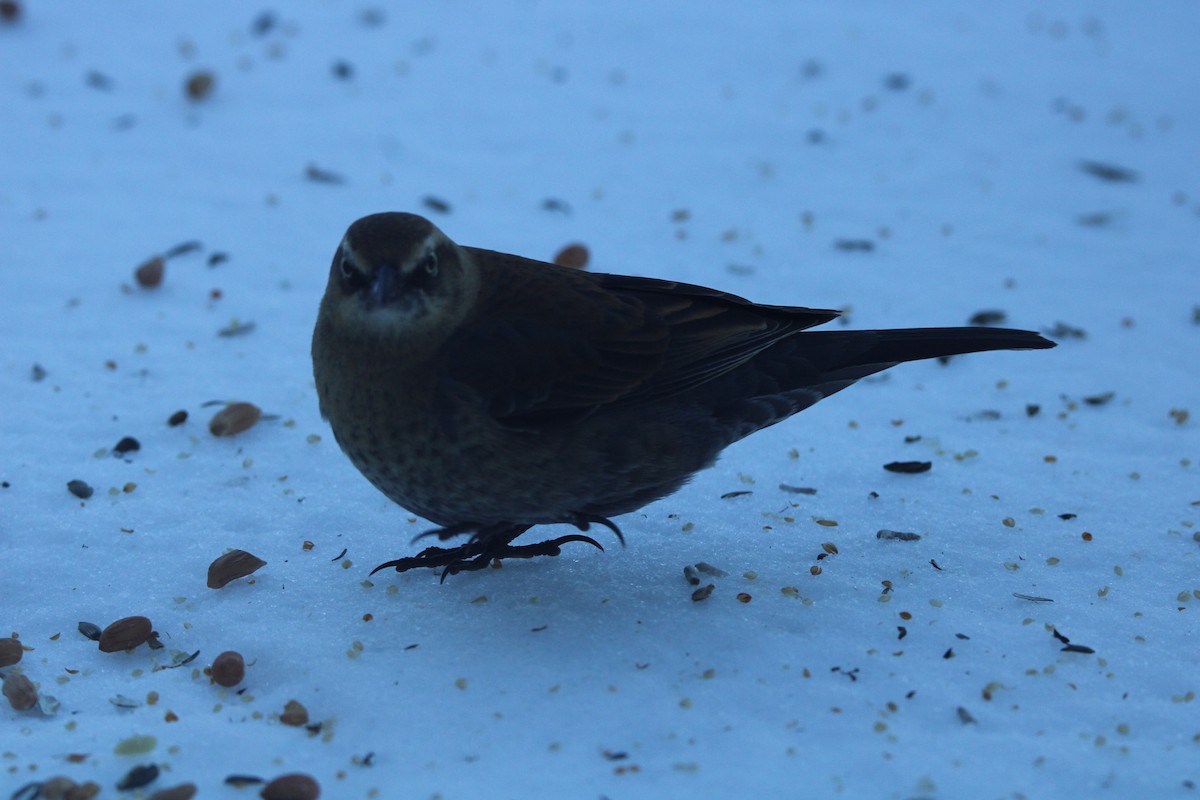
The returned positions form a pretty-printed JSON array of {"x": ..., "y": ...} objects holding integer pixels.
[{"x": 490, "y": 542}]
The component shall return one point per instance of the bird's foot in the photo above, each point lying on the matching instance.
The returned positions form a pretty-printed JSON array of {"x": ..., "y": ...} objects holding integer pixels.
[
  {"x": 583, "y": 522},
  {"x": 491, "y": 542}
]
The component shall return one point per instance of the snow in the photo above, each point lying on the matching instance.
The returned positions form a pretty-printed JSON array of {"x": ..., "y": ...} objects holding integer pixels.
[{"x": 776, "y": 126}]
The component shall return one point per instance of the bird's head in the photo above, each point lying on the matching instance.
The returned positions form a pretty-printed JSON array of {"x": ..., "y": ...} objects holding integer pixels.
[{"x": 396, "y": 274}]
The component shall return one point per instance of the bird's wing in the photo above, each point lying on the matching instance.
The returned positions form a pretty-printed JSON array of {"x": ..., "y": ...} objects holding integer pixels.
[{"x": 550, "y": 344}]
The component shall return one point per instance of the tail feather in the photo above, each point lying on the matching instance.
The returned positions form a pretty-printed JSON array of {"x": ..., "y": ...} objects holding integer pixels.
[
  {"x": 808, "y": 367},
  {"x": 887, "y": 347}
]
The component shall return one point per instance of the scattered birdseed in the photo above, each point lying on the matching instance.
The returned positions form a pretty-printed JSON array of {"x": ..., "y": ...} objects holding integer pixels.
[
  {"x": 318, "y": 175},
  {"x": 743, "y": 597},
  {"x": 126, "y": 445},
  {"x": 183, "y": 248},
  {"x": 177, "y": 419},
  {"x": 90, "y": 630},
  {"x": 709, "y": 569},
  {"x": 294, "y": 714},
  {"x": 435, "y": 204},
  {"x": 11, "y": 651},
  {"x": 1077, "y": 648},
  {"x": 150, "y": 274},
  {"x": 796, "y": 489},
  {"x": 234, "y": 418},
  {"x": 1108, "y": 172},
  {"x": 228, "y": 669},
  {"x": 1032, "y": 409},
  {"x": 10, "y": 11},
  {"x": 1099, "y": 399},
  {"x": 237, "y": 328},
  {"x": 731, "y": 495},
  {"x": 199, "y": 85},
  {"x": 908, "y": 467},
  {"x": 689, "y": 574},
  {"x": 703, "y": 592},
  {"x": 293, "y": 786},
  {"x": 1032, "y": 598},
  {"x": 575, "y": 256},
  {"x": 125, "y": 634},
  {"x": 854, "y": 245},
  {"x": 965, "y": 717},
  {"x": 989, "y": 317},
  {"x": 80, "y": 489},
  {"x": 1062, "y": 330},
  {"x": 899, "y": 536},
  {"x": 231, "y": 566},
  {"x": 555, "y": 204},
  {"x": 184, "y": 791},
  {"x": 19, "y": 691},
  {"x": 138, "y": 777}
]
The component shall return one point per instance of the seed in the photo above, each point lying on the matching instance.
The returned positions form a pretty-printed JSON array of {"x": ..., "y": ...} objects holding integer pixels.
[
  {"x": 184, "y": 791},
  {"x": 20, "y": 691},
  {"x": 703, "y": 592},
  {"x": 293, "y": 786},
  {"x": 199, "y": 85},
  {"x": 294, "y": 714},
  {"x": 178, "y": 418},
  {"x": 150, "y": 274},
  {"x": 231, "y": 566},
  {"x": 234, "y": 418},
  {"x": 125, "y": 634},
  {"x": 575, "y": 256},
  {"x": 59, "y": 787},
  {"x": 10, "y": 651},
  {"x": 80, "y": 489},
  {"x": 10, "y": 10},
  {"x": 228, "y": 669},
  {"x": 139, "y": 776}
]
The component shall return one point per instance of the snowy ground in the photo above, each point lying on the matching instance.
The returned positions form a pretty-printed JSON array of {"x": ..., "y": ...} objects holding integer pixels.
[{"x": 745, "y": 149}]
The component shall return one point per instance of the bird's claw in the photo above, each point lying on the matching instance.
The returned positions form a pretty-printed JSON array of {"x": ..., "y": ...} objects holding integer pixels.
[{"x": 487, "y": 545}]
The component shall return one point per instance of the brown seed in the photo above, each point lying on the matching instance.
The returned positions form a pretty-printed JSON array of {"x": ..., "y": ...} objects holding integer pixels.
[
  {"x": 178, "y": 418},
  {"x": 200, "y": 85},
  {"x": 57, "y": 788},
  {"x": 231, "y": 566},
  {"x": 10, "y": 651},
  {"x": 575, "y": 256},
  {"x": 743, "y": 597},
  {"x": 293, "y": 786},
  {"x": 84, "y": 791},
  {"x": 20, "y": 691},
  {"x": 184, "y": 791},
  {"x": 294, "y": 714},
  {"x": 125, "y": 634},
  {"x": 150, "y": 274},
  {"x": 703, "y": 592},
  {"x": 228, "y": 669},
  {"x": 234, "y": 418}
]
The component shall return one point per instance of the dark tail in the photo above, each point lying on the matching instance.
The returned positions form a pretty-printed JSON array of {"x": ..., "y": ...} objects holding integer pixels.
[
  {"x": 810, "y": 366},
  {"x": 887, "y": 347}
]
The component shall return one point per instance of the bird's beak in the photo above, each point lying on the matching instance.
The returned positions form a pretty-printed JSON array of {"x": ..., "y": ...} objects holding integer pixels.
[{"x": 385, "y": 284}]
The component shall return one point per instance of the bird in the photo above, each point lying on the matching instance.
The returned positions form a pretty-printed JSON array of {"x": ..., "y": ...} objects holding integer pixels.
[{"x": 490, "y": 393}]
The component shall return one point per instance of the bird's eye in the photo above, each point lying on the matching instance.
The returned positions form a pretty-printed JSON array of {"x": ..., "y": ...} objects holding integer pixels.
[
  {"x": 352, "y": 277},
  {"x": 429, "y": 264},
  {"x": 425, "y": 272}
]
